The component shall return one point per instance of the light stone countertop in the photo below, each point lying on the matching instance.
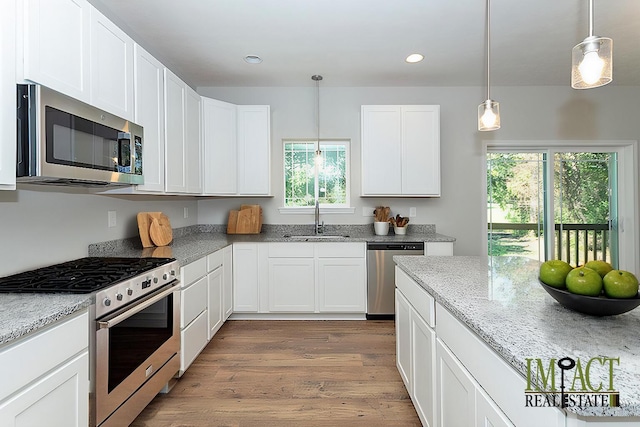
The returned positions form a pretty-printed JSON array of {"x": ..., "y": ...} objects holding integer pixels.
[
  {"x": 21, "y": 314},
  {"x": 504, "y": 304}
]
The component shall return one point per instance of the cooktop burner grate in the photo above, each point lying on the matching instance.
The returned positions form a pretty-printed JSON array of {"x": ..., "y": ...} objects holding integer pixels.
[{"x": 83, "y": 275}]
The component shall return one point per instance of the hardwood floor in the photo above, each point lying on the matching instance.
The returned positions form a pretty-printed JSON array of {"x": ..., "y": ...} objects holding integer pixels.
[{"x": 290, "y": 373}]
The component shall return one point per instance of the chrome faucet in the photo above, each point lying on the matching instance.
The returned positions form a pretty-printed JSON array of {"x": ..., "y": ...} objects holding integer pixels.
[{"x": 318, "y": 228}]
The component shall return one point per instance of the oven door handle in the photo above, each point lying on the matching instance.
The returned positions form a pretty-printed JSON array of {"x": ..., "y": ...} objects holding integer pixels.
[{"x": 105, "y": 324}]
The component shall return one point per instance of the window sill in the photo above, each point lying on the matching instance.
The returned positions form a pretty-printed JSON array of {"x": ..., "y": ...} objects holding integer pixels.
[{"x": 310, "y": 210}]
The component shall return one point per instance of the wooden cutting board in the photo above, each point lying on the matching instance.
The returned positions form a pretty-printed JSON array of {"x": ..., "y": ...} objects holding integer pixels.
[
  {"x": 243, "y": 225},
  {"x": 232, "y": 222},
  {"x": 144, "y": 224},
  {"x": 160, "y": 230}
]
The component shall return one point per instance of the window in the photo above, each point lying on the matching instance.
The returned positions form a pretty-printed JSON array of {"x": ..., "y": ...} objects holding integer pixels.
[
  {"x": 304, "y": 180},
  {"x": 566, "y": 202}
]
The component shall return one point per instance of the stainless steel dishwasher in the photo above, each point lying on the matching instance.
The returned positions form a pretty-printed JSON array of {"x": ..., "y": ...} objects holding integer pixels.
[{"x": 381, "y": 277}]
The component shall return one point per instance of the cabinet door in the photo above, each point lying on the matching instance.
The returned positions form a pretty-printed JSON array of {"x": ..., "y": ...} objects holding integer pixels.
[
  {"x": 193, "y": 142},
  {"x": 245, "y": 277},
  {"x": 291, "y": 285},
  {"x": 421, "y": 150},
  {"x": 175, "y": 130},
  {"x": 193, "y": 301},
  {"x": 149, "y": 113},
  {"x": 215, "y": 301},
  {"x": 456, "y": 391},
  {"x": 227, "y": 283},
  {"x": 381, "y": 150},
  {"x": 403, "y": 338},
  {"x": 423, "y": 369},
  {"x": 111, "y": 67},
  {"x": 57, "y": 45},
  {"x": 342, "y": 285},
  {"x": 487, "y": 412},
  {"x": 219, "y": 144},
  {"x": 254, "y": 149},
  {"x": 59, "y": 399},
  {"x": 7, "y": 96}
]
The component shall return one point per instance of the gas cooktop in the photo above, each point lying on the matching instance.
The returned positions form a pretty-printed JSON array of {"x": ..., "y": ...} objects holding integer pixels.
[{"x": 84, "y": 275}]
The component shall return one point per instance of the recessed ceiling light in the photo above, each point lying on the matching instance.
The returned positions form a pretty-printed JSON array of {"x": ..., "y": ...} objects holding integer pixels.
[
  {"x": 414, "y": 57},
  {"x": 253, "y": 59}
]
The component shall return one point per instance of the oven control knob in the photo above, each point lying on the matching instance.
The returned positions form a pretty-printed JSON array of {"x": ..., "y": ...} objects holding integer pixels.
[
  {"x": 107, "y": 302},
  {"x": 119, "y": 296},
  {"x": 164, "y": 276},
  {"x": 155, "y": 280},
  {"x": 129, "y": 291},
  {"x": 173, "y": 272}
]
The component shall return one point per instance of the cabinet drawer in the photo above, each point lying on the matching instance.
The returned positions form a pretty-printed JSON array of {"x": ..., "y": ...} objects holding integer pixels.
[
  {"x": 32, "y": 357},
  {"x": 340, "y": 250},
  {"x": 194, "y": 338},
  {"x": 193, "y": 301},
  {"x": 215, "y": 260},
  {"x": 194, "y": 271},
  {"x": 421, "y": 301},
  {"x": 290, "y": 250}
]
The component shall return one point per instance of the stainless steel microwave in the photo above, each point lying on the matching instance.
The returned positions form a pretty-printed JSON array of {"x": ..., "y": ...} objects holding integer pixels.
[{"x": 63, "y": 141}]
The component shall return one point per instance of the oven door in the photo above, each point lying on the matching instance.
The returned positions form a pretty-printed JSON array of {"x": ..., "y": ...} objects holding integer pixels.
[{"x": 136, "y": 345}]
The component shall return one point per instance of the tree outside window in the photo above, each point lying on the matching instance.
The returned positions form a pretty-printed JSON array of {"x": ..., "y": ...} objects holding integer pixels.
[{"x": 302, "y": 179}]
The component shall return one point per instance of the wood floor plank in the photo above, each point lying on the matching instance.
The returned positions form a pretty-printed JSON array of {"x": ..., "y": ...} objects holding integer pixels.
[{"x": 290, "y": 373}]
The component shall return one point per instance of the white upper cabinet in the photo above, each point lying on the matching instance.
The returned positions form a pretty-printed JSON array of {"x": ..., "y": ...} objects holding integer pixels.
[
  {"x": 219, "y": 145},
  {"x": 111, "y": 67},
  {"x": 254, "y": 150},
  {"x": 57, "y": 45},
  {"x": 8, "y": 97},
  {"x": 149, "y": 113},
  {"x": 175, "y": 130},
  {"x": 237, "y": 148},
  {"x": 400, "y": 150},
  {"x": 193, "y": 142}
]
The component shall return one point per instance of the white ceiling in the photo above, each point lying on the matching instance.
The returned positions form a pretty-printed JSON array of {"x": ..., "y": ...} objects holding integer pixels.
[{"x": 364, "y": 42}]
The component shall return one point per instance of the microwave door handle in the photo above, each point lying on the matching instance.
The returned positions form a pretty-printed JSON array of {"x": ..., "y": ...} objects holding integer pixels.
[
  {"x": 105, "y": 324},
  {"x": 125, "y": 150}
]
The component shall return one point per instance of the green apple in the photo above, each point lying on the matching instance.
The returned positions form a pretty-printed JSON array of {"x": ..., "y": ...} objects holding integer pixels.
[
  {"x": 601, "y": 267},
  {"x": 554, "y": 272},
  {"x": 584, "y": 281},
  {"x": 620, "y": 284}
]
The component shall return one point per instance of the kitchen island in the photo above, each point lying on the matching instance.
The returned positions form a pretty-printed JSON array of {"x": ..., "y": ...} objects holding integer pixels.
[{"x": 500, "y": 302}]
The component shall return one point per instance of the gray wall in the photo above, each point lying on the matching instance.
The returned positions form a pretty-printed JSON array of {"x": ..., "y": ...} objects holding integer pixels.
[
  {"x": 528, "y": 113},
  {"x": 42, "y": 225}
]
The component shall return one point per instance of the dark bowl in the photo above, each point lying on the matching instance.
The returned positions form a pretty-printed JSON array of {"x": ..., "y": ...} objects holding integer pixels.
[{"x": 595, "y": 306}]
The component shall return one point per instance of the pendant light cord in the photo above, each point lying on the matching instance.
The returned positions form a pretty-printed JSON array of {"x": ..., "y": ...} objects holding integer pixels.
[
  {"x": 488, "y": 46},
  {"x": 590, "y": 18},
  {"x": 317, "y": 79}
]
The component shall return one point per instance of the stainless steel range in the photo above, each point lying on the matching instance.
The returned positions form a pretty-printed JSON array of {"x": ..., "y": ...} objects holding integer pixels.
[{"x": 135, "y": 323}]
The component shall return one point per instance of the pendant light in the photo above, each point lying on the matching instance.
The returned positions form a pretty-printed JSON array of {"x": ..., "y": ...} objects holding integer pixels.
[
  {"x": 318, "y": 159},
  {"x": 489, "y": 110},
  {"x": 592, "y": 60}
]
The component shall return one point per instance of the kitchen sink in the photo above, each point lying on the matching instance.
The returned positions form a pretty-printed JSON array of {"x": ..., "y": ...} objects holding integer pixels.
[{"x": 312, "y": 237}]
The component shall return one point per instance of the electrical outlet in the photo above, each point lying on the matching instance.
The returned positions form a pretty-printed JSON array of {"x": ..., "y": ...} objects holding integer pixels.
[
  {"x": 367, "y": 211},
  {"x": 186, "y": 212},
  {"x": 412, "y": 212},
  {"x": 111, "y": 219}
]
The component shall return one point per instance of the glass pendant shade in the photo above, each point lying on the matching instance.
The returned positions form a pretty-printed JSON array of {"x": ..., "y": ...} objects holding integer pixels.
[
  {"x": 592, "y": 63},
  {"x": 489, "y": 115}
]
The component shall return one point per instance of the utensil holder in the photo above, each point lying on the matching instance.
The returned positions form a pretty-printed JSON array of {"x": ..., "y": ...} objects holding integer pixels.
[
  {"x": 381, "y": 228},
  {"x": 400, "y": 230}
]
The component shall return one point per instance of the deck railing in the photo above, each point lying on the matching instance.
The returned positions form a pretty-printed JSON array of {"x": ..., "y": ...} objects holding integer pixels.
[{"x": 574, "y": 243}]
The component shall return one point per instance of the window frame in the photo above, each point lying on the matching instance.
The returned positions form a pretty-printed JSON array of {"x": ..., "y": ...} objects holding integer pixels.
[
  {"x": 324, "y": 208},
  {"x": 628, "y": 215}
]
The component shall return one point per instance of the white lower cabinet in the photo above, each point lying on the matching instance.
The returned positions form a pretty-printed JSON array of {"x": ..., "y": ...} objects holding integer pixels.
[
  {"x": 403, "y": 338},
  {"x": 52, "y": 389},
  {"x": 215, "y": 301},
  {"x": 291, "y": 285},
  {"x": 456, "y": 391},
  {"x": 423, "y": 369},
  {"x": 245, "y": 277},
  {"x": 193, "y": 313},
  {"x": 227, "y": 282},
  {"x": 438, "y": 248}
]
